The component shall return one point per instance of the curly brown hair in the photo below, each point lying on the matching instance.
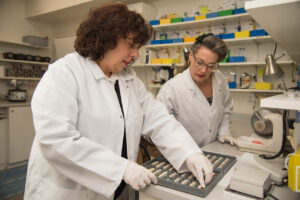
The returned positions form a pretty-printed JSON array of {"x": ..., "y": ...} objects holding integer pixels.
[{"x": 105, "y": 25}]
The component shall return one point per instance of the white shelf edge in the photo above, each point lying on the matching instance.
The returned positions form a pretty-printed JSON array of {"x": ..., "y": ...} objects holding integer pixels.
[
  {"x": 19, "y": 78},
  {"x": 228, "y": 41},
  {"x": 203, "y": 21},
  {"x": 23, "y": 61},
  {"x": 220, "y": 64},
  {"x": 24, "y": 44},
  {"x": 256, "y": 90}
]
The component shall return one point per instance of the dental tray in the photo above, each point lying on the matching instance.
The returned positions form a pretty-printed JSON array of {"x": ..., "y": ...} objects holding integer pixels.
[{"x": 167, "y": 175}]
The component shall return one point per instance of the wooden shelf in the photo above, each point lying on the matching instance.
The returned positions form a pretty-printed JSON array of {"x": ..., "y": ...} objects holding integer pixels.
[
  {"x": 23, "y": 61},
  {"x": 249, "y": 40},
  {"x": 20, "y": 78},
  {"x": 200, "y": 23}
]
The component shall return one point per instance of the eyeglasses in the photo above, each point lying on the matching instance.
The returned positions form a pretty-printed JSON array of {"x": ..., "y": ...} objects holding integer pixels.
[{"x": 210, "y": 67}]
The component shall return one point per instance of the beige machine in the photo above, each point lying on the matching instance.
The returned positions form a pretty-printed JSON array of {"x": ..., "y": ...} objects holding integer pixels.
[{"x": 264, "y": 122}]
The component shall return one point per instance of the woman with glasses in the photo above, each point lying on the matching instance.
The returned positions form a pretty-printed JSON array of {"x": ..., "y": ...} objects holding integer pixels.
[
  {"x": 90, "y": 112},
  {"x": 199, "y": 97}
]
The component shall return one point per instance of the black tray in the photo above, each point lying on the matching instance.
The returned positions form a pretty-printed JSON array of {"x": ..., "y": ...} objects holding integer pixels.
[{"x": 186, "y": 182}]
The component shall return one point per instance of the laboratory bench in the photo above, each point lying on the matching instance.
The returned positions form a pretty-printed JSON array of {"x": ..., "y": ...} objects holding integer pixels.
[{"x": 155, "y": 192}]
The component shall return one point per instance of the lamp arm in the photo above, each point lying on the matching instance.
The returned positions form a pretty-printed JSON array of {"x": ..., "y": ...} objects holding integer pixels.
[{"x": 283, "y": 54}]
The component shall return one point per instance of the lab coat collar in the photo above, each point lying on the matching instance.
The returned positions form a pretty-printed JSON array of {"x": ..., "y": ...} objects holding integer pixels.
[{"x": 127, "y": 74}]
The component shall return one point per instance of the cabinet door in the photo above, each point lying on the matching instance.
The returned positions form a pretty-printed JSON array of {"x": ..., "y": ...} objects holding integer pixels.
[
  {"x": 2, "y": 143},
  {"x": 20, "y": 133}
]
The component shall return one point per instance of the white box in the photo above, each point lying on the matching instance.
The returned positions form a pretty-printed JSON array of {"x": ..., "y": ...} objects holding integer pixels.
[{"x": 250, "y": 181}]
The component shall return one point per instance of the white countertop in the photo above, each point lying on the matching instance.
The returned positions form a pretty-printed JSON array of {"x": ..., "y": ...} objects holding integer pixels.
[{"x": 155, "y": 192}]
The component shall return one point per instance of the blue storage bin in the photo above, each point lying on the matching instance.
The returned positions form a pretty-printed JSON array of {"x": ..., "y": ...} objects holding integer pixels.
[
  {"x": 178, "y": 40},
  {"x": 227, "y": 35},
  {"x": 154, "y": 22},
  {"x": 166, "y": 41},
  {"x": 260, "y": 32},
  {"x": 186, "y": 19},
  {"x": 232, "y": 84},
  {"x": 212, "y": 15},
  {"x": 239, "y": 11},
  {"x": 155, "y": 42},
  {"x": 236, "y": 59},
  {"x": 219, "y": 36}
]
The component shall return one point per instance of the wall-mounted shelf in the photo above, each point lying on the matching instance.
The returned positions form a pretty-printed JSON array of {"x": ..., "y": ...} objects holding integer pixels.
[
  {"x": 233, "y": 90},
  {"x": 201, "y": 23},
  {"x": 249, "y": 40},
  {"x": 23, "y": 61},
  {"x": 240, "y": 64},
  {"x": 23, "y": 44},
  {"x": 20, "y": 78},
  {"x": 256, "y": 90}
]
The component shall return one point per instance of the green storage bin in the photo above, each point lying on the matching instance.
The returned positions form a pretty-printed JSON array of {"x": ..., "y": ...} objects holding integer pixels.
[
  {"x": 225, "y": 12},
  {"x": 175, "y": 20}
]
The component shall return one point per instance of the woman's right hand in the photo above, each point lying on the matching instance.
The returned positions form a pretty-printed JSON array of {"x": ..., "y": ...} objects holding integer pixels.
[{"x": 138, "y": 176}]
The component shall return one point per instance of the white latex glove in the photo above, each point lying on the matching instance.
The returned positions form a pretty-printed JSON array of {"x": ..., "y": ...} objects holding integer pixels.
[
  {"x": 138, "y": 176},
  {"x": 227, "y": 138},
  {"x": 201, "y": 167}
]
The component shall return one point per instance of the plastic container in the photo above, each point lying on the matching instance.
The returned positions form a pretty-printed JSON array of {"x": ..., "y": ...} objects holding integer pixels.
[
  {"x": 242, "y": 34},
  {"x": 178, "y": 40},
  {"x": 189, "y": 39},
  {"x": 154, "y": 22},
  {"x": 212, "y": 15},
  {"x": 186, "y": 19},
  {"x": 200, "y": 17},
  {"x": 225, "y": 12},
  {"x": 176, "y": 20},
  {"x": 34, "y": 40},
  {"x": 167, "y": 60},
  {"x": 165, "y": 21},
  {"x": 236, "y": 59},
  {"x": 260, "y": 32},
  {"x": 263, "y": 86},
  {"x": 156, "y": 61},
  {"x": 227, "y": 36},
  {"x": 239, "y": 11},
  {"x": 155, "y": 42},
  {"x": 232, "y": 85},
  {"x": 169, "y": 41}
]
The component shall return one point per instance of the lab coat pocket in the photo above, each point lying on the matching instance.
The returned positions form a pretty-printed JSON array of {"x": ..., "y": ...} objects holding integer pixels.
[
  {"x": 134, "y": 126},
  {"x": 42, "y": 189}
]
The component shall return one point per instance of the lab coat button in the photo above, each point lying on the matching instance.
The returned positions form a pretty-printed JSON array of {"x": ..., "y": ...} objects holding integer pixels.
[
  {"x": 121, "y": 116},
  {"x": 210, "y": 131}
]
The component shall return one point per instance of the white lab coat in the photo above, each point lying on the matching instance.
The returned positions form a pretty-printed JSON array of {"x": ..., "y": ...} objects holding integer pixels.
[
  {"x": 186, "y": 102},
  {"x": 79, "y": 131}
]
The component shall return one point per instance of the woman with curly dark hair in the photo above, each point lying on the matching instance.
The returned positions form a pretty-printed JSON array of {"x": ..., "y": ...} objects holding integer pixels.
[{"x": 90, "y": 111}]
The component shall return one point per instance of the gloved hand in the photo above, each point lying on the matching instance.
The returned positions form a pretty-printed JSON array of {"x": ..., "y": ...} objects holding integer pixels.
[
  {"x": 227, "y": 138},
  {"x": 197, "y": 163},
  {"x": 138, "y": 176}
]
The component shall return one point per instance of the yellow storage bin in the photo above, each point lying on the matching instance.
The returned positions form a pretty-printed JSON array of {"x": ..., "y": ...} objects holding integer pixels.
[
  {"x": 294, "y": 171},
  {"x": 200, "y": 17},
  {"x": 189, "y": 39},
  {"x": 167, "y": 60},
  {"x": 242, "y": 34},
  {"x": 156, "y": 61},
  {"x": 263, "y": 86},
  {"x": 165, "y": 21}
]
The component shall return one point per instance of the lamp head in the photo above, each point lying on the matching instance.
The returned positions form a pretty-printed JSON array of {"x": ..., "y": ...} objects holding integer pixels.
[{"x": 272, "y": 72}]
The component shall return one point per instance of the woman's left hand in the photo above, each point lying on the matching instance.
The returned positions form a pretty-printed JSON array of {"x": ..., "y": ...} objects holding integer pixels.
[{"x": 227, "y": 138}]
